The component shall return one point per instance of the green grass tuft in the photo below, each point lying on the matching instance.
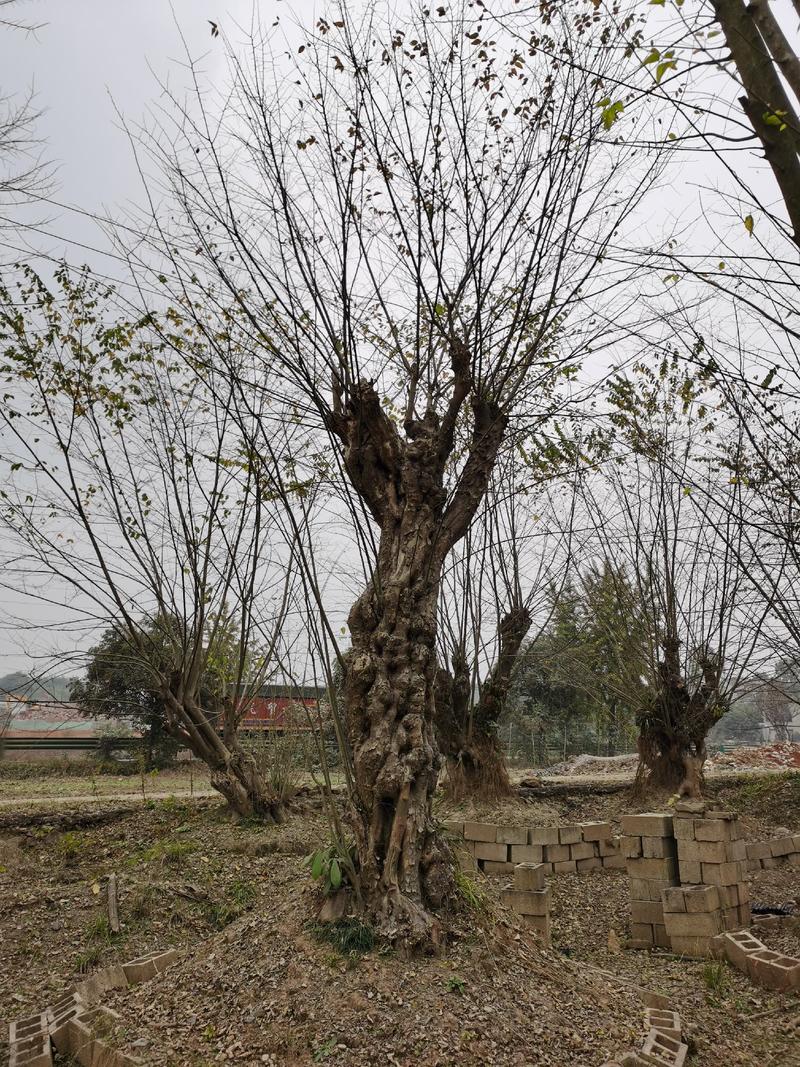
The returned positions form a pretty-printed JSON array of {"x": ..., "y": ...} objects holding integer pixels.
[{"x": 350, "y": 937}]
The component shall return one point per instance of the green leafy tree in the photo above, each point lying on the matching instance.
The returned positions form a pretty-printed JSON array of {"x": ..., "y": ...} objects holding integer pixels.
[{"x": 120, "y": 684}]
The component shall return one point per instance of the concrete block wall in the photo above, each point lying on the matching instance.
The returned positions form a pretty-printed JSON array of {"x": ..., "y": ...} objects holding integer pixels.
[
  {"x": 687, "y": 877},
  {"x": 777, "y": 852},
  {"x": 651, "y": 859},
  {"x": 711, "y": 852},
  {"x": 573, "y": 848}
]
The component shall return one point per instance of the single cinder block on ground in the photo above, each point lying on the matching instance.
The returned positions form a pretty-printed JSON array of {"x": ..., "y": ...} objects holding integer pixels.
[
  {"x": 665, "y": 1049},
  {"x": 774, "y": 970},
  {"x": 480, "y": 831},
  {"x": 650, "y": 824},
  {"x": 33, "y": 1051},
  {"x": 59, "y": 1015},
  {"x": 29, "y": 1026},
  {"x": 737, "y": 946},
  {"x": 140, "y": 970},
  {"x": 569, "y": 835},
  {"x": 496, "y": 867},
  {"x": 102, "y": 981},
  {"x": 527, "y": 901},
  {"x": 527, "y": 853},
  {"x": 666, "y": 1022},
  {"x": 512, "y": 835},
  {"x": 488, "y": 850},
  {"x": 529, "y": 876},
  {"x": 543, "y": 835},
  {"x": 596, "y": 831}
]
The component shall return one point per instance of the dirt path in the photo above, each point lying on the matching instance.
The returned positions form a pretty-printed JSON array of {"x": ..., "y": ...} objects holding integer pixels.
[{"x": 89, "y": 798}]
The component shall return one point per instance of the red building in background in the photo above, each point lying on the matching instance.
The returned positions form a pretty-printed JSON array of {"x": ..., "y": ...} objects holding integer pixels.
[{"x": 282, "y": 707}]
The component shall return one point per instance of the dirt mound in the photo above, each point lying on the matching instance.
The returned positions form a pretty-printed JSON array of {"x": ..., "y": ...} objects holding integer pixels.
[
  {"x": 267, "y": 991},
  {"x": 594, "y": 765},
  {"x": 782, "y": 754}
]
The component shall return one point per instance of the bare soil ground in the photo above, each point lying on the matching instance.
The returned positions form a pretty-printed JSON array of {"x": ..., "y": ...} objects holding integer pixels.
[{"x": 257, "y": 985}]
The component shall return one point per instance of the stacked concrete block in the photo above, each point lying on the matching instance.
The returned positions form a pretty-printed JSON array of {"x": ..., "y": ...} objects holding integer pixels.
[
  {"x": 530, "y": 897},
  {"x": 651, "y": 860},
  {"x": 693, "y": 917},
  {"x": 566, "y": 849},
  {"x": 711, "y": 852}
]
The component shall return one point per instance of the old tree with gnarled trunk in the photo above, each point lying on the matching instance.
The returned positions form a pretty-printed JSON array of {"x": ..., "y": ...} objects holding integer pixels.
[{"x": 395, "y": 236}]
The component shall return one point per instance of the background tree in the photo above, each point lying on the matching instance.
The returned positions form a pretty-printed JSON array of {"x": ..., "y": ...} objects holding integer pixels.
[
  {"x": 582, "y": 679},
  {"x": 132, "y": 497},
  {"x": 494, "y": 587},
  {"x": 118, "y": 684},
  {"x": 702, "y": 618}
]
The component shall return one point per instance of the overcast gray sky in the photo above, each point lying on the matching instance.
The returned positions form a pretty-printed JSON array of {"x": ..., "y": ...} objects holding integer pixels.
[
  {"x": 90, "y": 58},
  {"x": 86, "y": 59}
]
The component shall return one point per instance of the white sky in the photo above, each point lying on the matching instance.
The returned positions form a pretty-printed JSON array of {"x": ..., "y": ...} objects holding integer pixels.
[{"x": 92, "y": 57}]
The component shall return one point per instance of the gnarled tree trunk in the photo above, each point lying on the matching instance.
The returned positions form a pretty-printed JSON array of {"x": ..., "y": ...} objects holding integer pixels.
[
  {"x": 467, "y": 730},
  {"x": 674, "y": 727},
  {"x": 234, "y": 772},
  {"x": 405, "y": 870}
]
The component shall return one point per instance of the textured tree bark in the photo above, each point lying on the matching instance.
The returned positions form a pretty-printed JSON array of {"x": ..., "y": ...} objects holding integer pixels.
[
  {"x": 405, "y": 869},
  {"x": 765, "y": 100},
  {"x": 388, "y": 689},
  {"x": 467, "y": 731},
  {"x": 673, "y": 729},
  {"x": 234, "y": 772}
]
